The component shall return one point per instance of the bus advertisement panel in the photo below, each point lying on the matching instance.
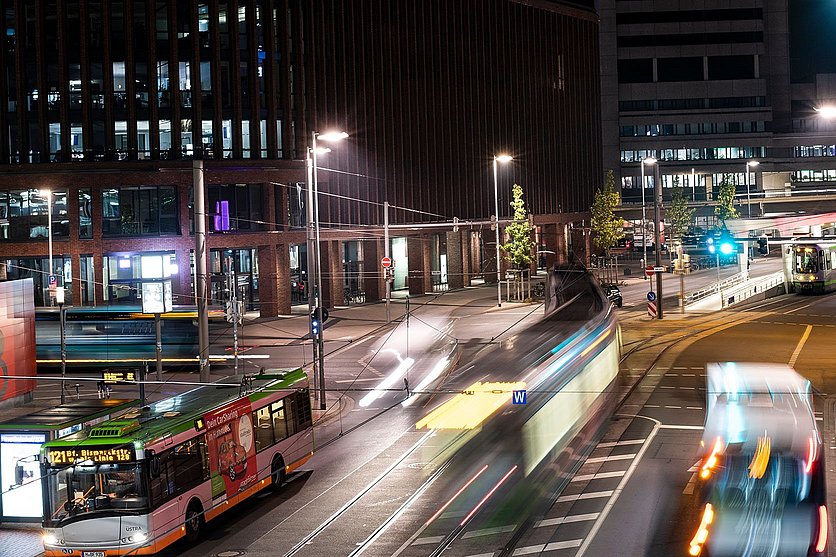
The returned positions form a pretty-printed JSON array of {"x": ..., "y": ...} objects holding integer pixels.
[{"x": 229, "y": 436}]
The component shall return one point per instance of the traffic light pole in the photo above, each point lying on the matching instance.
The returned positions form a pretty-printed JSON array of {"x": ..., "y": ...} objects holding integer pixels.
[{"x": 657, "y": 213}]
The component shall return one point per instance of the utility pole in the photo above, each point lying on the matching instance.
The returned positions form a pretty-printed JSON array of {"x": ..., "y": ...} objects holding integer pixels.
[
  {"x": 387, "y": 271},
  {"x": 657, "y": 236},
  {"x": 310, "y": 283},
  {"x": 234, "y": 312},
  {"x": 200, "y": 268}
]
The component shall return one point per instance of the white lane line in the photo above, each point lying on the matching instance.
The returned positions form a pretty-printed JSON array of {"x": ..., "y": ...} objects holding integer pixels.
[
  {"x": 679, "y": 367},
  {"x": 687, "y": 388},
  {"x": 527, "y": 550},
  {"x": 651, "y": 406},
  {"x": 482, "y": 555},
  {"x": 679, "y": 426},
  {"x": 566, "y": 520},
  {"x": 689, "y": 487},
  {"x": 798, "y": 308},
  {"x": 598, "y": 476},
  {"x": 618, "y": 491},
  {"x": 688, "y": 374},
  {"x": 693, "y": 407},
  {"x": 581, "y": 496},
  {"x": 488, "y": 531},
  {"x": 624, "y": 442},
  {"x": 673, "y": 407},
  {"x": 611, "y": 457},
  {"x": 801, "y": 342},
  {"x": 427, "y": 540},
  {"x": 672, "y": 374},
  {"x": 554, "y": 546},
  {"x": 667, "y": 387}
]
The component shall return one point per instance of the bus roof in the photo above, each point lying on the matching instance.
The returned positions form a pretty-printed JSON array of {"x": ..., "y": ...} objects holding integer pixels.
[
  {"x": 750, "y": 400},
  {"x": 178, "y": 413},
  {"x": 67, "y": 414}
]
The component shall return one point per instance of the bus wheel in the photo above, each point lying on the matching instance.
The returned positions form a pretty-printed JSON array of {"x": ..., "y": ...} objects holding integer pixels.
[
  {"x": 277, "y": 474},
  {"x": 194, "y": 521}
]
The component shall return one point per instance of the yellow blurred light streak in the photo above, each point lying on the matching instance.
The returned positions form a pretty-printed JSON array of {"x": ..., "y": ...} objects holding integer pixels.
[
  {"x": 453, "y": 498},
  {"x": 487, "y": 496},
  {"x": 470, "y": 408},
  {"x": 702, "y": 532},
  {"x": 761, "y": 459},
  {"x": 821, "y": 542}
]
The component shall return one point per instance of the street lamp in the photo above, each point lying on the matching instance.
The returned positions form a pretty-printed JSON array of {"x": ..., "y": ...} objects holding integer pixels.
[
  {"x": 48, "y": 195},
  {"x": 748, "y": 192},
  {"x": 497, "y": 159},
  {"x": 648, "y": 161},
  {"x": 331, "y": 137},
  {"x": 59, "y": 297}
]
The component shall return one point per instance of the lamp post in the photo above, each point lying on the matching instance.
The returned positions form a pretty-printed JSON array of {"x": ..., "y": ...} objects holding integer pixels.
[
  {"x": 48, "y": 195},
  {"x": 748, "y": 191},
  {"x": 497, "y": 159},
  {"x": 59, "y": 297},
  {"x": 657, "y": 235},
  {"x": 320, "y": 341},
  {"x": 648, "y": 161}
]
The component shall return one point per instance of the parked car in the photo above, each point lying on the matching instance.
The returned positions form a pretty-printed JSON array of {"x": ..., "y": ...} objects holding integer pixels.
[{"x": 613, "y": 293}]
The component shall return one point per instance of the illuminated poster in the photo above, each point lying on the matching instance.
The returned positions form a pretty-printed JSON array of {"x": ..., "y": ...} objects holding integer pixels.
[{"x": 229, "y": 436}]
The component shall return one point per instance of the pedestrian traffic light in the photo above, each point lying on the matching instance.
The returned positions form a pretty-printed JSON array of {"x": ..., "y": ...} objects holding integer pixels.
[
  {"x": 763, "y": 246},
  {"x": 315, "y": 322}
]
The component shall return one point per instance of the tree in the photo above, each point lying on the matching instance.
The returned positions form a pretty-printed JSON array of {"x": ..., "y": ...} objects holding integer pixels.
[
  {"x": 725, "y": 202},
  {"x": 678, "y": 214},
  {"x": 518, "y": 248},
  {"x": 607, "y": 228}
]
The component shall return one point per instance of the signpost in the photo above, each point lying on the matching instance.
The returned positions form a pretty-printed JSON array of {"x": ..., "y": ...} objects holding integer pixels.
[
  {"x": 386, "y": 262},
  {"x": 651, "y": 309},
  {"x": 651, "y": 296},
  {"x": 648, "y": 271}
]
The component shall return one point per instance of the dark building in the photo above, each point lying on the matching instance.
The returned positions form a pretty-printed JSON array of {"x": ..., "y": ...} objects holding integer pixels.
[
  {"x": 707, "y": 87},
  {"x": 106, "y": 103}
]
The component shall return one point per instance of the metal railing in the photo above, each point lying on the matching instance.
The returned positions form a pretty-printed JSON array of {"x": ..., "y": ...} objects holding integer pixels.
[
  {"x": 750, "y": 288},
  {"x": 714, "y": 288}
]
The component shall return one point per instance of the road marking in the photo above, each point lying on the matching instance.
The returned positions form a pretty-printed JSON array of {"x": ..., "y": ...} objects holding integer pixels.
[
  {"x": 673, "y": 407},
  {"x": 482, "y": 555},
  {"x": 677, "y": 426},
  {"x": 798, "y": 308},
  {"x": 687, "y": 388},
  {"x": 801, "y": 342},
  {"x": 598, "y": 476},
  {"x": 688, "y": 375},
  {"x": 672, "y": 374},
  {"x": 611, "y": 457},
  {"x": 554, "y": 546},
  {"x": 566, "y": 520},
  {"x": 651, "y": 406},
  {"x": 693, "y": 407},
  {"x": 527, "y": 550},
  {"x": 488, "y": 531},
  {"x": 625, "y": 442},
  {"x": 428, "y": 539},
  {"x": 581, "y": 496},
  {"x": 689, "y": 487}
]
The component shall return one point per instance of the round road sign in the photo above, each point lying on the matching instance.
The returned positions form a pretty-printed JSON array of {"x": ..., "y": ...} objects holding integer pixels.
[
  {"x": 648, "y": 270},
  {"x": 651, "y": 296},
  {"x": 386, "y": 262}
]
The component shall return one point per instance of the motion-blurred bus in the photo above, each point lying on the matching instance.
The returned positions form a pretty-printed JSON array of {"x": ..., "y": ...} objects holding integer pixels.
[{"x": 762, "y": 475}]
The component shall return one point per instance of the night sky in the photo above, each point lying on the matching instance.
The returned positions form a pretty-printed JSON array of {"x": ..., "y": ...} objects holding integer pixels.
[{"x": 812, "y": 38}]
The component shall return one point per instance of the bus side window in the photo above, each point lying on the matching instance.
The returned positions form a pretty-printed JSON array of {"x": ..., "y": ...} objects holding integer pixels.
[
  {"x": 187, "y": 461},
  {"x": 279, "y": 423},
  {"x": 162, "y": 486},
  {"x": 290, "y": 412},
  {"x": 833, "y": 259},
  {"x": 303, "y": 404},
  {"x": 264, "y": 428}
]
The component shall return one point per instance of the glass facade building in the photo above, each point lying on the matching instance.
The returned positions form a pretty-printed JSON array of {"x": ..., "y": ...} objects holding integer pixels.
[{"x": 107, "y": 103}]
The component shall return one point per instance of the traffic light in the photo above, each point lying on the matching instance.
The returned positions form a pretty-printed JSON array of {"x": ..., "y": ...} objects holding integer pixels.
[
  {"x": 315, "y": 322},
  {"x": 763, "y": 246}
]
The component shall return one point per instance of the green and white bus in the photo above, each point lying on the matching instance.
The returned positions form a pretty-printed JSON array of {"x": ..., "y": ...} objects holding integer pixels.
[{"x": 135, "y": 485}]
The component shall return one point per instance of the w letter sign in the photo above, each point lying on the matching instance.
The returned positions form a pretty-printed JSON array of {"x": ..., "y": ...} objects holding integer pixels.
[{"x": 518, "y": 397}]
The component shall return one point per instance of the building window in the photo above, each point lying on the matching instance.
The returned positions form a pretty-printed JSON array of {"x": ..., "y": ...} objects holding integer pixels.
[
  {"x": 236, "y": 207},
  {"x": 139, "y": 211},
  {"x": 296, "y": 213},
  {"x": 85, "y": 213},
  {"x": 24, "y": 217}
]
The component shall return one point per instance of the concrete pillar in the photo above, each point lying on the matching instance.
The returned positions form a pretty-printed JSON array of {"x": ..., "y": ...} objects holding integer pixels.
[
  {"x": 283, "y": 295},
  {"x": 562, "y": 243},
  {"x": 372, "y": 283},
  {"x": 98, "y": 277},
  {"x": 332, "y": 273},
  {"x": 270, "y": 207},
  {"x": 455, "y": 264},
  {"x": 184, "y": 278},
  {"x": 419, "y": 279},
  {"x": 75, "y": 284},
  {"x": 489, "y": 264},
  {"x": 552, "y": 243},
  {"x": 269, "y": 282}
]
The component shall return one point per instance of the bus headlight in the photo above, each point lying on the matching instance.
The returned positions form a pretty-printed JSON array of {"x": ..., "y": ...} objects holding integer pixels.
[
  {"x": 139, "y": 537},
  {"x": 52, "y": 539}
]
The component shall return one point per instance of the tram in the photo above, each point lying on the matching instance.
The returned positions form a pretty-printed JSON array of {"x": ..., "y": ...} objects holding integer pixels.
[{"x": 814, "y": 267}]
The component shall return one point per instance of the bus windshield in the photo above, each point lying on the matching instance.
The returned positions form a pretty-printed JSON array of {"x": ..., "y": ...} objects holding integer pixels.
[
  {"x": 806, "y": 261},
  {"x": 784, "y": 483},
  {"x": 104, "y": 487}
]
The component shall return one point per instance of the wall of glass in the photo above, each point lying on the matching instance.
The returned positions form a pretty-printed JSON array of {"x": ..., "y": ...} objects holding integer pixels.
[
  {"x": 401, "y": 263},
  {"x": 298, "y": 274},
  {"x": 122, "y": 274},
  {"x": 140, "y": 211},
  {"x": 238, "y": 267},
  {"x": 36, "y": 268},
  {"x": 236, "y": 207}
]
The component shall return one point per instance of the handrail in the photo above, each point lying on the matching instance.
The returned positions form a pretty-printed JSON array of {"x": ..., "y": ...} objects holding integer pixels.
[
  {"x": 751, "y": 287},
  {"x": 714, "y": 288}
]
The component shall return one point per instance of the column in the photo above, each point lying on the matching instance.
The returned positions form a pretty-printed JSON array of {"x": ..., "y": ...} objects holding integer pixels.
[
  {"x": 489, "y": 264},
  {"x": 185, "y": 276},
  {"x": 333, "y": 289},
  {"x": 267, "y": 281},
  {"x": 373, "y": 284},
  {"x": 467, "y": 269},
  {"x": 418, "y": 254},
  {"x": 455, "y": 266},
  {"x": 550, "y": 240},
  {"x": 98, "y": 278}
]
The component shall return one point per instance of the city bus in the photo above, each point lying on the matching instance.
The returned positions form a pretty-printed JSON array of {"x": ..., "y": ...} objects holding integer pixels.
[{"x": 135, "y": 485}]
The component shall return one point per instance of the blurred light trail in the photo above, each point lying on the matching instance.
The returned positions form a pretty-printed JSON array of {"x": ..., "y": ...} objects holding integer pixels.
[
  {"x": 453, "y": 498},
  {"x": 470, "y": 408},
  {"x": 487, "y": 496},
  {"x": 431, "y": 376},
  {"x": 387, "y": 383}
]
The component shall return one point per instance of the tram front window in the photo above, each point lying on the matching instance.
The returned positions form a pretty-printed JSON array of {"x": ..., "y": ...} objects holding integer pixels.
[
  {"x": 104, "y": 487},
  {"x": 806, "y": 261}
]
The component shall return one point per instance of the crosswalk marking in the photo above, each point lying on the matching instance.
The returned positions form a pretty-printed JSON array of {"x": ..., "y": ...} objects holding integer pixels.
[
  {"x": 566, "y": 520},
  {"x": 598, "y": 476},
  {"x": 488, "y": 531},
  {"x": 581, "y": 496},
  {"x": 624, "y": 442},
  {"x": 611, "y": 457},
  {"x": 428, "y": 540}
]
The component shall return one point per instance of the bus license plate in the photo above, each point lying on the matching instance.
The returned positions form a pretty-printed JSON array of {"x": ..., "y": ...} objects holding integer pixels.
[{"x": 92, "y": 554}]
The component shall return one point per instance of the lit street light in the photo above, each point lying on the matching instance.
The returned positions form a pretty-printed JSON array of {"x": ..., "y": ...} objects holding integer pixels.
[
  {"x": 648, "y": 161},
  {"x": 48, "y": 195},
  {"x": 319, "y": 341},
  {"x": 497, "y": 159},
  {"x": 748, "y": 191}
]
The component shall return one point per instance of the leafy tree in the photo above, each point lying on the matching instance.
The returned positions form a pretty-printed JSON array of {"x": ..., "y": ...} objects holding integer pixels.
[
  {"x": 678, "y": 214},
  {"x": 607, "y": 228},
  {"x": 725, "y": 197},
  {"x": 518, "y": 248}
]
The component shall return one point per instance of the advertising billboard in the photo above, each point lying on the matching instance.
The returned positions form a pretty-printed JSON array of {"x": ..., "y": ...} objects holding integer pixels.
[
  {"x": 17, "y": 337},
  {"x": 229, "y": 436}
]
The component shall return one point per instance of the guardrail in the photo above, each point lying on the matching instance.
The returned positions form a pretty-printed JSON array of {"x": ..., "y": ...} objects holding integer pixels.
[
  {"x": 748, "y": 289},
  {"x": 714, "y": 288}
]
